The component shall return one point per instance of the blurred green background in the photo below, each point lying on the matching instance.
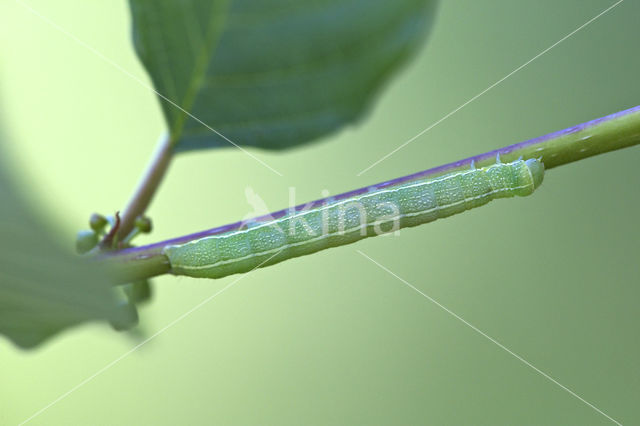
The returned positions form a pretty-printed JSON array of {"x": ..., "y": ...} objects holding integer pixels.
[{"x": 331, "y": 338}]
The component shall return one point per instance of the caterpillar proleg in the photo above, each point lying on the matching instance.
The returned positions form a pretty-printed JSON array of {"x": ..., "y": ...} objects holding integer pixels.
[{"x": 349, "y": 220}]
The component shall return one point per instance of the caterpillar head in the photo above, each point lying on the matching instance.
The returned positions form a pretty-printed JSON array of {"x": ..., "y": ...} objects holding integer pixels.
[{"x": 536, "y": 168}]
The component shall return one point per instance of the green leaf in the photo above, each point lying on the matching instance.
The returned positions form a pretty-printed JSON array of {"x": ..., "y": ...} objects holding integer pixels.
[
  {"x": 271, "y": 73},
  {"x": 44, "y": 288}
]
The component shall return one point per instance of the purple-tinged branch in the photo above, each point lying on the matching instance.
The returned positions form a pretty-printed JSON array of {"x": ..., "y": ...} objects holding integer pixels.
[{"x": 610, "y": 133}]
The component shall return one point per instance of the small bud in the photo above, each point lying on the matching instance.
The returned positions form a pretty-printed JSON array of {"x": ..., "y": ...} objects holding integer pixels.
[
  {"x": 126, "y": 316},
  {"x": 97, "y": 222},
  {"x": 143, "y": 223},
  {"x": 138, "y": 292},
  {"x": 85, "y": 241}
]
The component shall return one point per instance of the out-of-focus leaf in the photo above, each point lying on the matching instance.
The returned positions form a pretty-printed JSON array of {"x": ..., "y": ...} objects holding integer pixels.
[
  {"x": 272, "y": 73},
  {"x": 43, "y": 288}
]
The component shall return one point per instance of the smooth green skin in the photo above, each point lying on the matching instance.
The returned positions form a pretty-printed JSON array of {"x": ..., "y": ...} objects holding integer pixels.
[
  {"x": 605, "y": 134},
  {"x": 347, "y": 221}
]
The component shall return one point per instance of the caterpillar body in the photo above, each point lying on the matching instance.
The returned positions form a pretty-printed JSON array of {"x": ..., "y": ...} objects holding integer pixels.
[{"x": 349, "y": 220}]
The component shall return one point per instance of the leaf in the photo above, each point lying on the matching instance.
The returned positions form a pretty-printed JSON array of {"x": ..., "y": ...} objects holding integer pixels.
[
  {"x": 271, "y": 73},
  {"x": 43, "y": 288}
]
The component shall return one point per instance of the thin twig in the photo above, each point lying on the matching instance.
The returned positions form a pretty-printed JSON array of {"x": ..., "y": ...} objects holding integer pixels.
[
  {"x": 147, "y": 187},
  {"x": 605, "y": 134}
]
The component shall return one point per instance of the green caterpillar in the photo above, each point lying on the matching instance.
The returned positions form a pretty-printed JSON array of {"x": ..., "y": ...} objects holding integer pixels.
[{"x": 349, "y": 220}]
